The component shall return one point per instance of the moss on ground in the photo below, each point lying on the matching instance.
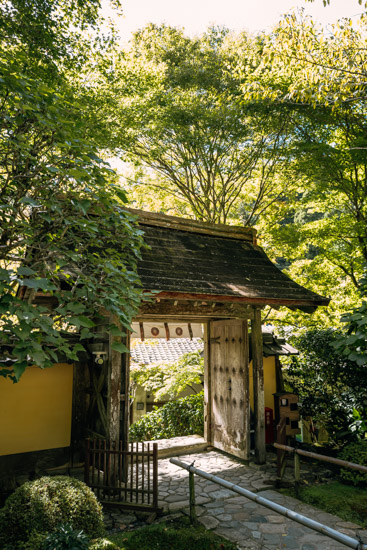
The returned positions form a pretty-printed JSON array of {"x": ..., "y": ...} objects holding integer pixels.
[
  {"x": 177, "y": 534},
  {"x": 345, "y": 501}
]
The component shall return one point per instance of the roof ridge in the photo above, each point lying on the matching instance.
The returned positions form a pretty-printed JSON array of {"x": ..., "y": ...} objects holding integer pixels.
[{"x": 194, "y": 226}]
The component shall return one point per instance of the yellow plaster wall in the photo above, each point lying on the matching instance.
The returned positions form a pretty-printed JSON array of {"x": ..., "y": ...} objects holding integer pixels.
[
  {"x": 36, "y": 412},
  {"x": 270, "y": 384}
]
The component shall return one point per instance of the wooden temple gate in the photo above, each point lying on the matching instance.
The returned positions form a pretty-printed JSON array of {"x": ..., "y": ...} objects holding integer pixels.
[
  {"x": 226, "y": 374},
  {"x": 218, "y": 276}
]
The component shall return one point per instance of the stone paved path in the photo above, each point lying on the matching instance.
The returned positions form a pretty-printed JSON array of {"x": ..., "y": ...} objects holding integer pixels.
[{"x": 238, "y": 519}]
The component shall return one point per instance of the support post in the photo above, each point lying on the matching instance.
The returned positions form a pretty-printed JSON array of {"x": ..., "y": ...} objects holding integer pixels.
[
  {"x": 113, "y": 386},
  {"x": 207, "y": 387},
  {"x": 78, "y": 422},
  {"x": 297, "y": 472},
  {"x": 87, "y": 461},
  {"x": 125, "y": 394},
  {"x": 279, "y": 375},
  {"x": 297, "y": 468},
  {"x": 155, "y": 475},
  {"x": 192, "y": 497},
  {"x": 258, "y": 380}
]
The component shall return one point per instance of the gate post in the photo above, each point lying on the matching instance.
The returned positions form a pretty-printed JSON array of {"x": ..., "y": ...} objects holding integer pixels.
[
  {"x": 207, "y": 386},
  {"x": 113, "y": 386},
  {"x": 192, "y": 497},
  {"x": 258, "y": 375}
]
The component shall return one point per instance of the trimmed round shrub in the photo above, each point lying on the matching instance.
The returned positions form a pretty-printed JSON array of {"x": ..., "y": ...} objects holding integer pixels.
[
  {"x": 35, "y": 542},
  {"x": 185, "y": 416},
  {"x": 354, "y": 452},
  {"x": 40, "y": 506}
]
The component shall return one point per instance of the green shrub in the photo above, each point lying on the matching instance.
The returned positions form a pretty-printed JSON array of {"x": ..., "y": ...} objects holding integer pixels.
[
  {"x": 354, "y": 452},
  {"x": 172, "y": 534},
  {"x": 41, "y": 506},
  {"x": 35, "y": 542},
  {"x": 185, "y": 416},
  {"x": 66, "y": 538},
  {"x": 329, "y": 385}
]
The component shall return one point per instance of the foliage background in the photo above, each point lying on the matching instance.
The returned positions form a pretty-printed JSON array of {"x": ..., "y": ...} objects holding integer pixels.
[
  {"x": 169, "y": 379},
  {"x": 330, "y": 386},
  {"x": 64, "y": 232},
  {"x": 185, "y": 416}
]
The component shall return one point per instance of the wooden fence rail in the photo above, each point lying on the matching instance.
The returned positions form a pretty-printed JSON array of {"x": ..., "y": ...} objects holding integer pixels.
[
  {"x": 127, "y": 478},
  {"x": 331, "y": 460}
]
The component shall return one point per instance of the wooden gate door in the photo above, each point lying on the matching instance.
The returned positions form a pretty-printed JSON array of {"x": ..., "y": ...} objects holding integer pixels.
[{"x": 229, "y": 365}]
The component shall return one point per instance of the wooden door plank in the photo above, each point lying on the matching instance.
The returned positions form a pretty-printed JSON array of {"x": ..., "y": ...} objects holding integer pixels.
[
  {"x": 246, "y": 389},
  {"x": 230, "y": 391},
  {"x": 258, "y": 381},
  {"x": 208, "y": 436}
]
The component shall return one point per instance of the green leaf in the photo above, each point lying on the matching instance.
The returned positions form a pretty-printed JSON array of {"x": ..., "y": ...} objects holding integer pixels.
[
  {"x": 115, "y": 331},
  {"x": 361, "y": 360},
  {"x": 81, "y": 321},
  {"x": 119, "y": 346},
  {"x": 121, "y": 195},
  {"x": 76, "y": 307},
  {"x": 30, "y": 201},
  {"x": 85, "y": 333},
  {"x": 84, "y": 205},
  {"x": 25, "y": 271},
  {"x": 19, "y": 368},
  {"x": 79, "y": 347},
  {"x": 4, "y": 274},
  {"x": 43, "y": 284}
]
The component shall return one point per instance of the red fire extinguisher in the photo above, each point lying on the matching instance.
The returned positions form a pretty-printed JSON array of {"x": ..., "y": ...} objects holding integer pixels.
[{"x": 269, "y": 426}]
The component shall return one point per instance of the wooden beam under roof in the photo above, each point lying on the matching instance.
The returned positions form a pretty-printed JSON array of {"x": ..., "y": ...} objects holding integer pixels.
[
  {"x": 260, "y": 302},
  {"x": 187, "y": 309}
]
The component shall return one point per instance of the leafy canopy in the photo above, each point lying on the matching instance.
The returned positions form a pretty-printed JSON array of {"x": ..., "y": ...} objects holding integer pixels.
[
  {"x": 176, "y": 110},
  {"x": 68, "y": 248},
  {"x": 316, "y": 230},
  {"x": 354, "y": 344}
]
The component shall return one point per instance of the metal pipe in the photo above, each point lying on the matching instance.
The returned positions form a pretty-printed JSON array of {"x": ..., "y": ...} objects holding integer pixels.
[
  {"x": 316, "y": 526},
  {"x": 325, "y": 458}
]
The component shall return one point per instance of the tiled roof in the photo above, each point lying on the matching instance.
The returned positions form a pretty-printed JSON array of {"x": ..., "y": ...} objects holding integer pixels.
[
  {"x": 156, "y": 350},
  {"x": 274, "y": 345},
  {"x": 278, "y": 347}
]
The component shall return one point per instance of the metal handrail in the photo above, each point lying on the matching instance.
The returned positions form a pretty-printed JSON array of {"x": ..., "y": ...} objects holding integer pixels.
[{"x": 303, "y": 520}]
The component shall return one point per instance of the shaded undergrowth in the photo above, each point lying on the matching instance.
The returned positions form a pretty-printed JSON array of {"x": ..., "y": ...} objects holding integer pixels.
[
  {"x": 345, "y": 501},
  {"x": 177, "y": 534}
]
